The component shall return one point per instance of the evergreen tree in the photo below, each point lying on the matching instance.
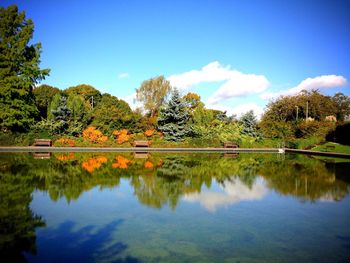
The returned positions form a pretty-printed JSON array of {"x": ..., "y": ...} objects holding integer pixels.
[
  {"x": 19, "y": 70},
  {"x": 249, "y": 123},
  {"x": 61, "y": 115},
  {"x": 173, "y": 119}
]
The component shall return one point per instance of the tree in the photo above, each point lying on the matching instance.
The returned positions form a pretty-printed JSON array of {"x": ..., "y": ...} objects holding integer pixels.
[
  {"x": 19, "y": 70},
  {"x": 113, "y": 114},
  {"x": 173, "y": 119},
  {"x": 249, "y": 123},
  {"x": 43, "y": 97},
  {"x": 152, "y": 93},
  {"x": 61, "y": 115},
  {"x": 192, "y": 100},
  {"x": 87, "y": 92},
  {"x": 342, "y": 103}
]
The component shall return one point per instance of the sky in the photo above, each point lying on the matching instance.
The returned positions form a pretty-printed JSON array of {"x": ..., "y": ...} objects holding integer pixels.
[{"x": 237, "y": 55}]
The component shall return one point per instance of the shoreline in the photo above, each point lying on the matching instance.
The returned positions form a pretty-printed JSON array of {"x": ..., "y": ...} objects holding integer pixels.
[{"x": 148, "y": 149}]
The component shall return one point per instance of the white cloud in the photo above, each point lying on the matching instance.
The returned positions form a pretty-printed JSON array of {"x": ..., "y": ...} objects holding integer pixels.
[
  {"x": 131, "y": 100},
  {"x": 320, "y": 82},
  {"x": 239, "y": 109},
  {"x": 235, "y": 83},
  {"x": 123, "y": 75},
  {"x": 233, "y": 192}
]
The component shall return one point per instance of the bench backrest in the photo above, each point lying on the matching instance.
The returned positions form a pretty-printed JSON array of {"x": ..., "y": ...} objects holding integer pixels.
[{"x": 141, "y": 144}]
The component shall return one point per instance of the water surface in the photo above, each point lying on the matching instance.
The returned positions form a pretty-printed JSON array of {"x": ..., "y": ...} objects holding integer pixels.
[{"x": 122, "y": 207}]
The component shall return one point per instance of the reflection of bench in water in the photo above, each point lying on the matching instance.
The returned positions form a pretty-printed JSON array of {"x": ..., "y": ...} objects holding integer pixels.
[
  {"x": 231, "y": 155},
  {"x": 42, "y": 142},
  {"x": 141, "y": 144},
  {"x": 230, "y": 145},
  {"x": 141, "y": 155},
  {"x": 42, "y": 155}
]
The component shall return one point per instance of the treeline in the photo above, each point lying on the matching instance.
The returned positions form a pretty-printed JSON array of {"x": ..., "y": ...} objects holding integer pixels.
[{"x": 82, "y": 111}]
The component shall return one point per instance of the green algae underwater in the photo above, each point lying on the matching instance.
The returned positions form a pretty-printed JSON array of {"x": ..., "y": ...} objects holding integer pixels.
[{"x": 139, "y": 207}]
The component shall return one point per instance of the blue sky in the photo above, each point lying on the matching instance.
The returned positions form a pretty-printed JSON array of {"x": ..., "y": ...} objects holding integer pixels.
[{"x": 236, "y": 54}]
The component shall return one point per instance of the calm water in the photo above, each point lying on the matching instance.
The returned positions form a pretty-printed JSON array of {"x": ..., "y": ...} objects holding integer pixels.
[{"x": 96, "y": 207}]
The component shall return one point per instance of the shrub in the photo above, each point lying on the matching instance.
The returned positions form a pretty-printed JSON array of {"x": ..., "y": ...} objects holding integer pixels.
[
  {"x": 65, "y": 157},
  {"x": 148, "y": 165},
  {"x": 340, "y": 134},
  {"x": 121, "y": 136},
  {"x": 307, "y": 129},
  {"x": 94, "y": 163},
  {"x": 93, "y": 135},
  {"x": 121, "y": 162},
  {"x": 64, "y": 142},
  {"x": 149, "y": 133}
]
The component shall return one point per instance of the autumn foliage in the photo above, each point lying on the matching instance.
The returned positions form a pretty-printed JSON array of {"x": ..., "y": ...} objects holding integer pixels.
[
  {"x": 150, "y": 133},
  {"x": 121, "y": 136},
  {"x": 65, "y": 142},
  {"x": 65, "y": 157},
  {"x": 94, "y": 163},
  {"x": 121, "y": 162},
  {"x": 93, "y": 135},
  {"x": 148, "y": 164}
]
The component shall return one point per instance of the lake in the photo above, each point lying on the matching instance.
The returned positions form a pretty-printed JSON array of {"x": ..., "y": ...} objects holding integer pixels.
[{"x": 203, "y": 207}]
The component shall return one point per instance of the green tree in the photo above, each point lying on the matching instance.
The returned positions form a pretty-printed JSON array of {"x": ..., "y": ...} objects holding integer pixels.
[
  {"x": 113, "y": 114},
  {"x": 62, "y": 115},
  {"x": 192, "y": 100},
  {"x": 173, "y": 119},
  {"x": 87, "y": 92},
  {"x": 43, "y": 97},
  {"x": 152, "y": 93},
  {"x": 249, "y": 124},
  {"x": 19, "y": 70},
  {"x": 342, "y": 103}
]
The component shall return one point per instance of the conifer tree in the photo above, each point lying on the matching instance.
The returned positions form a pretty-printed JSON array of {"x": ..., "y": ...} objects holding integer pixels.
[
  {"x": 249, "y": 123},
  {"x": 61, "y": 115},
  {"x": 173, "y": 119},
  {"x": 19, "y": 70}
]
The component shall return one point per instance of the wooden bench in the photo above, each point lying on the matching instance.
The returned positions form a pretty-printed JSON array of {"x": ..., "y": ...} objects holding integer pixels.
[
  {"x": 42, "y": 142},
  {"x": 230, "y": 145},
  {"x": 141, "y": 144}
]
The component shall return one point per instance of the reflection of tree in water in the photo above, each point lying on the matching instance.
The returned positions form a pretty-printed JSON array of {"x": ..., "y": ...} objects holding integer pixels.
[
  {"x": 17, "y": 221},
  {"x": 82, "y": 245},
  {"x": 165, "y": 187},
  {"x": 304, "y": 178}
]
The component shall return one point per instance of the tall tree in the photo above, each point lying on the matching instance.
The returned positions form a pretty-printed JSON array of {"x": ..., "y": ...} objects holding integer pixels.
[
  {"x": 87, "y": 92},
  {"x": 152, "y": 93},
  {"x": 111, "y": 114},
  {"x": 173, "y": 119},
  {"x": 19, "y": 70},
  {"x": 342, "y": 103},
  {"x": 43, "y": 97}
]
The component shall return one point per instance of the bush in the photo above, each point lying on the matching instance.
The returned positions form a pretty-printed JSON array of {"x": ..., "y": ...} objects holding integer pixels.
[
  {"x": 64, "y": 142},
  {"x": 93, "y": 135},
  {"x": 277, "y": 130},
  {"x": 340, "y": 134},
  {"x": 308, "y": 129},
  {"x": 121, "y": 136}
]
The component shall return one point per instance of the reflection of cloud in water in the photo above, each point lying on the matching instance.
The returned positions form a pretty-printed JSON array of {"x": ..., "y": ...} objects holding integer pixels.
[{"x": 233, "y": 191}]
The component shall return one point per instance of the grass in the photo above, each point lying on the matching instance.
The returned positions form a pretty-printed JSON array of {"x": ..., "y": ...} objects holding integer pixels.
[{"x": 332, "y": 147}]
